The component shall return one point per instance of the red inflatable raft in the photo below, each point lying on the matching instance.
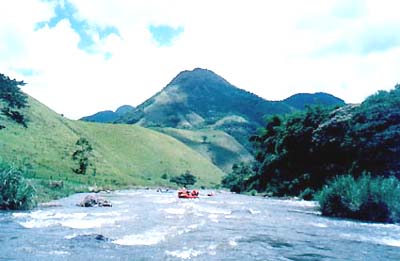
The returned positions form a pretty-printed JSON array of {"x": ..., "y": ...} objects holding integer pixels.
[{"x": 188, "y": 194}]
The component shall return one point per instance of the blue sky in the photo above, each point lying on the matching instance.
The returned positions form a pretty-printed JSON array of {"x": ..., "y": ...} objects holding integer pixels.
[
  {"x": 165, "y": 34},
  {"x": 80, "y": 57}
]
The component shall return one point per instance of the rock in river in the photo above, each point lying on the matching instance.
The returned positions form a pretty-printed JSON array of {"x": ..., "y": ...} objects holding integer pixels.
[{"x": 93, "y": 201}]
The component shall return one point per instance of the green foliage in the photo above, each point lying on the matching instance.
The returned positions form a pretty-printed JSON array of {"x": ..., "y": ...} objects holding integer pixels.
[
  {"x": 239, "y": 180},
  {"x": 286, "y": 154},
  {"x": 82, "y": 156},
  {"x": 186, "y": 179},
  {"x": 376, "y": 132},
  {"x": 365, "y": 198},
  {"x": 15, "y": 192},
  {"x": 12, "y": 99},
  {"x": 297, "y": 154}
]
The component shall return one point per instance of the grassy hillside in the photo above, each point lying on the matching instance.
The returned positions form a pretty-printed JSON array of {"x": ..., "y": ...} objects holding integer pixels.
[
  {"x": 124, "y": 155},
  {"x": 219, "y": 147}
]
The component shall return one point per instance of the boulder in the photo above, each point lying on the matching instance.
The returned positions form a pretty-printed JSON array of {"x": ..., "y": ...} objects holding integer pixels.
[{"x": 94, "y": 201}]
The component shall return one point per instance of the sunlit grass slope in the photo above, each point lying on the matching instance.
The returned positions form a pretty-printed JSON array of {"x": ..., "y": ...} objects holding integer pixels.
[
  {"x": 218, "y": 146},
  {"x": 124, "y": 155}
]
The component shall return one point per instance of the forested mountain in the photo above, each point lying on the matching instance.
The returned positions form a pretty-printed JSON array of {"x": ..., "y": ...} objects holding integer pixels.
[
  {"x": 201, "y": 98},
  {"x": 299, "y": 153},
  {"x": 201, "y": 101}
]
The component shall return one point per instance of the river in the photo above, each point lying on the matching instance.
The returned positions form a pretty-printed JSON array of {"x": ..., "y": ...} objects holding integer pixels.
[{"x": 148, "y": 225}]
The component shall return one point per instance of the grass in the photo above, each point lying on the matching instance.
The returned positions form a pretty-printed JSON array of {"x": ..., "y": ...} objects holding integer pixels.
[
  {"x": 219, "y": 147},
  {"x": 124, "y": 155},
  {"x": 366, "y": 198}
]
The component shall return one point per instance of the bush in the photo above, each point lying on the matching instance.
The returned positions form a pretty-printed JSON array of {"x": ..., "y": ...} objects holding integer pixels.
[
  {"x": 15, "y": 192},
  {"x": 371, "y": 199},
  {"x": 239, "y": 180},
  {"x": 184, "y": 180}
]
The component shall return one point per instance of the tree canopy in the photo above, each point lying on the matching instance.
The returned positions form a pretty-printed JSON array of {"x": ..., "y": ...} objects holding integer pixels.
[
  {"x": 297, "y": 154},
  {"x": 12, "y": 99}
]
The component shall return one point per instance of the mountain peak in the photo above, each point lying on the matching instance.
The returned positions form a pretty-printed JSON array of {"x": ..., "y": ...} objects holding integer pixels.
[{"x": 198, "y": 75}]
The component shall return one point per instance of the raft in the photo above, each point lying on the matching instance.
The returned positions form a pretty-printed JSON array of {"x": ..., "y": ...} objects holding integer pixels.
[{"x": 188, "y": 194}]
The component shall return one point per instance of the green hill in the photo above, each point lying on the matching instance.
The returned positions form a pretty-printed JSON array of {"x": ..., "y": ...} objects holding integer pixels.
[
  {"x": 123, "y": 155},
  {"x": 217, "y": 146},
  {"x": 109, "y": 116}
]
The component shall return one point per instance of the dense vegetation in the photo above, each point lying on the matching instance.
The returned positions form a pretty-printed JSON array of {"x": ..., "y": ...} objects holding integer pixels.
[
  {"x": 185, "y": 180},
  {"x": 15, "y": 192},
  {"x": 298, "y": 154},
  {"x": 12, "y": 100},
  {"x": 365, "y": 198}
]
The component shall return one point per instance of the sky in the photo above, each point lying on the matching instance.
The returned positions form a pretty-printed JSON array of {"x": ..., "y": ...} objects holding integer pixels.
[{"x": 80, "y": 57}]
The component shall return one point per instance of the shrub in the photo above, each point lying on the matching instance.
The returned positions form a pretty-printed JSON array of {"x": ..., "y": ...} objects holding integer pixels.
[
  {"x": 185, "y": 180},
  {"x": 239, "y": 179},
  {"x": 82, "y": 156},
  {"x": 372, "y": 199},
  {"x": 253, "y": 192},
  {"x": 15, "y": 192}
]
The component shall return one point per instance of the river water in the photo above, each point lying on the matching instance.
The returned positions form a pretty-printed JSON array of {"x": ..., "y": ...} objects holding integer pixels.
[{"x": 148, "y": 225}]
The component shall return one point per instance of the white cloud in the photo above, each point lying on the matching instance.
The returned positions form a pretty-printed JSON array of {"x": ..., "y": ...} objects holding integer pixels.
[{"x": 271, "y": 48}]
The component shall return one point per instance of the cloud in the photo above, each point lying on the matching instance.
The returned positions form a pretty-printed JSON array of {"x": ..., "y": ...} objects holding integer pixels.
[
  {"x": 92, "y": 55},
  {"x": 87, "y": 32}
]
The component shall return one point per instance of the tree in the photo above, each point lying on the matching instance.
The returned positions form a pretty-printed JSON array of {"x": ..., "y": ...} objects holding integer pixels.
[
  {"x": 12, "y": 99},
  {"x": 239, "y": 180},
  {"x": 82, "y": 156},
  {"x": 185, "y": 179}
]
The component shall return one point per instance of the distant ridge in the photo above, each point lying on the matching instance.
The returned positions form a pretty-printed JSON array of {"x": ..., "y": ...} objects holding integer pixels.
[
  {"x": 301, "y": 100},
  {"x": 109, "y": 116}
]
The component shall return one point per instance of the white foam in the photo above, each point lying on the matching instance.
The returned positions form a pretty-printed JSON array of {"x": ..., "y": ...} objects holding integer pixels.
[
  {"x": 175, "y": 211},
  {"x": 106, "y": 214},
  {"x": 322, "y": 225},
  {"x": 59, "y": 253},
  {"x": 389, "y": 242},
  {"x": 148, "y": 238},
  {"x": 254, "y": 211},
  {"x": 44, "y": 215},
  {"x": 77, "y": 215},
  {"x": 20, "y": 215},
  {"x": 165, "y": 200},
  {"x": 184, "y": 254},
  {"x": 87, "y": 223},
  {"x": 213, "y": 218},
  {"x": 232, "y": 243},
  {"x": 213, "y": 210},
  {"x": 38, "y": 223},
  {"x": 71, "y": 236},
  {"x": 301, "y": 203}
]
